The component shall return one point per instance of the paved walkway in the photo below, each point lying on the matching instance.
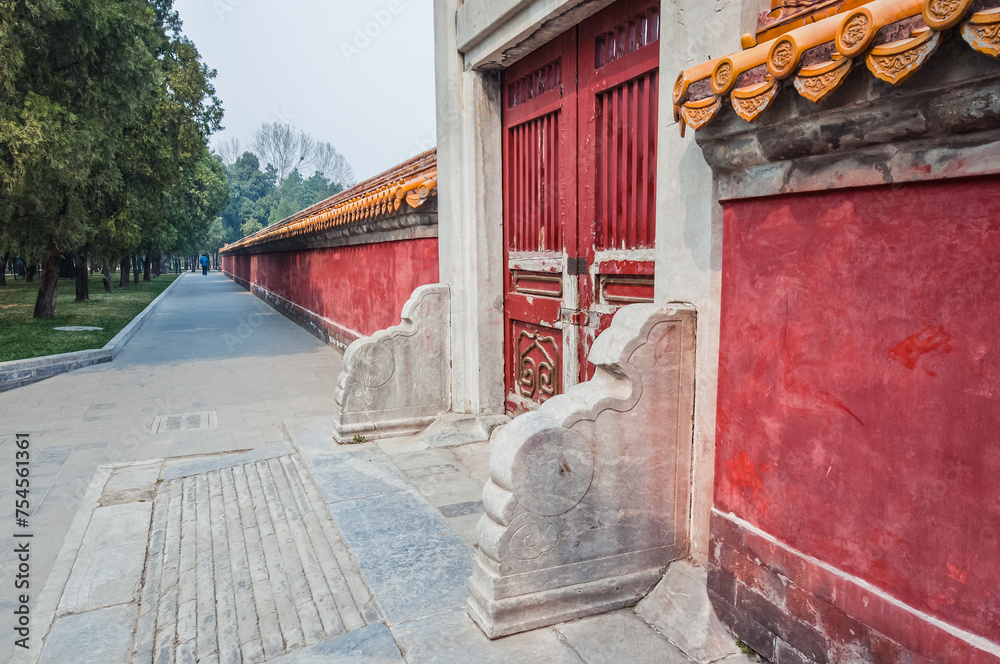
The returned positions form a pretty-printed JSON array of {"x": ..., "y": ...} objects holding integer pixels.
[
  {"x": 210, "y": 346},
  {"x": 190, "y": 506}
]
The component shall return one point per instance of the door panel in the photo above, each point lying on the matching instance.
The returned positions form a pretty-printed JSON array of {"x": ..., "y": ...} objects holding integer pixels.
[
  {"x": 539, "y": 151},
  {"x": 618, "y": 113},
  {"x": 579, "y": 150}
]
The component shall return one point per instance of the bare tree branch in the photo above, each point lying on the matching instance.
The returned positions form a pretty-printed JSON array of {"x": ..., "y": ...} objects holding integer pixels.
[
  {"x": 280, "y": 146},
  {"x": 229, "y": 151},
  {"x": 276, "y": 144},
  {"x": 332, "y": 165},
  {"x": 307, "y": 149}
]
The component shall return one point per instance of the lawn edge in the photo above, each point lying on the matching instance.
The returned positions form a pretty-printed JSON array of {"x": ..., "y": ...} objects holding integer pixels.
[{"x": 18, "y": 373}]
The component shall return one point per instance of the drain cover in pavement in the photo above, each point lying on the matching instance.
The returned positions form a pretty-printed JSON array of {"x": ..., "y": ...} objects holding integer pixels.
[
  {"x": 184, "y": 422},
  {"x": 78, "y": 328}
]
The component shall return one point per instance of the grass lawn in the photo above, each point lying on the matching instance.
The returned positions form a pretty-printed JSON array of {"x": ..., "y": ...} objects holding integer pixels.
[{"x": 22, "y": 337}]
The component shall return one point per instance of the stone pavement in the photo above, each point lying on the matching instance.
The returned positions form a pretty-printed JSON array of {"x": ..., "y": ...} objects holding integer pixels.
[
  {"x": 210, "y": 347},
  {"x": 202, "y": 513}
]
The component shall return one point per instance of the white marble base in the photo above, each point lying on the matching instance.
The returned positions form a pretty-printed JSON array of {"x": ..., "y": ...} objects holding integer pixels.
[
  {"x": 397, "y": 381},
  {"x": 588, "y": 496}
]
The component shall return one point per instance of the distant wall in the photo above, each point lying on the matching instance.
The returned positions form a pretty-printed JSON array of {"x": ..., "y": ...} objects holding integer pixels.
[
  {"x": 339, "y": 293},
  {"x": 857, "y": 419}
]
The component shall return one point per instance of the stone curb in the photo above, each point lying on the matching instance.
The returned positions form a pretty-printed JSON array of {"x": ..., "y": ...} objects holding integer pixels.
[{"x": 18, "y": 373}]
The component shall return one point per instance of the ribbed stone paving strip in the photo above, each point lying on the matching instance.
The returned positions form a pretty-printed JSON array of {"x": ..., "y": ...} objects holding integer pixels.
[{"x": 244, "y": 565}]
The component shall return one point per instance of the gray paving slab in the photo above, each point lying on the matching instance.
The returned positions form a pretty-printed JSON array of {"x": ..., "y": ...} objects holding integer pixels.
[
  {"x": 401, "y": 445},
  {"x": 372, "y": 645},
  {"x": 452, "y": 638},
  {"x": 679, "y": 609},
  {"x": 103, "y": 636},
  {"x": 350, "y": 474},
  {"x": 619, "y": 636},
  {"x": 108, "y": 568},
  {"x": 414, "y": 562}
]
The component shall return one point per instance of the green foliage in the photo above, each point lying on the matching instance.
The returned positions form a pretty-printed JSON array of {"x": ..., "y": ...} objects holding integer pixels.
[
  {"x": 747, "y": 650},
  {"x": 249, "y": 189},
  {"x": 105, "y": 114},
  {"x": 256, "y": 202}
]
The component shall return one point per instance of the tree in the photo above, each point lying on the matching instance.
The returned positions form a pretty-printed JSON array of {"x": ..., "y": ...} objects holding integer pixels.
[
  {"x": 249, "y": 205},
  {"x": 229, "y": 151},
  {"x": 289, "y": 198},
  {"x": 76, "y": 81},
  {"x": 332, "y": 165},
  {"x": 260, "y": 197},
  {"x": 195, "y": 205},
  {"x": 105, "y": 114},
  {"x": 279, "y": 145}
]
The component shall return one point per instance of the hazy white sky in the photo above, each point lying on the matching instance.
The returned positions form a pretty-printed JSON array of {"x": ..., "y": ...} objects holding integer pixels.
[{"x": 355, "y": 73}]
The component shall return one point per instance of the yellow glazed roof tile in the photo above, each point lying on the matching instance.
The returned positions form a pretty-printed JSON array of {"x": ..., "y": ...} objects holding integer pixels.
[
  {"x": 413, "y": 182},
  {"x": 818, "y": 43}
]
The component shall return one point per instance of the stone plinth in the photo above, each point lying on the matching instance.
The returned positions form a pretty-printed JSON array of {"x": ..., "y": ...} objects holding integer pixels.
[
  {"x": 588, "y": 496},
  {"x": 397, "y": 381}
]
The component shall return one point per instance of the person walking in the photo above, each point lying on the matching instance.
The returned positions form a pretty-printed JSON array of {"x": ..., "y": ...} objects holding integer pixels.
[{"x": 204, "y": 264}]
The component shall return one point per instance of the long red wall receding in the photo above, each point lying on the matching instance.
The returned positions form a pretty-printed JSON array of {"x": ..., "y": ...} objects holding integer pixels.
[
  {"x": 361, "y": 288},
  {"x": 859, "y": 389}
]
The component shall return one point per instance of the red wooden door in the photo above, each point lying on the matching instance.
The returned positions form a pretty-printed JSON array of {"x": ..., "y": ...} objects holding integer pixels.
[
  {"x": 618, "y": 103},
  {"x": 579, "y": 151}
]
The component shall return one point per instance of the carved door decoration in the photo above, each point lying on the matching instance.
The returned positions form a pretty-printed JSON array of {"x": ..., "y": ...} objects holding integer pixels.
[{"x": 579, "y": 150}]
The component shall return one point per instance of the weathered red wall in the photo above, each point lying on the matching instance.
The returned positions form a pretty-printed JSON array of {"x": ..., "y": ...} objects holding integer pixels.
[
  {"x": 362, "y": 288},
  {"x": 859, "y": 388}
]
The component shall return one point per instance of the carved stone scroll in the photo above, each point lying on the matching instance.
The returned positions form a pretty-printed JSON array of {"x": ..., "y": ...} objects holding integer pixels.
[
  {"x": 588, "y": 496},
  {"x": 982, "y": 31},
  {"x": 397, "y": 381},
  {"x": 817, "y": 82},
  {"x": 897, "y": 61}
]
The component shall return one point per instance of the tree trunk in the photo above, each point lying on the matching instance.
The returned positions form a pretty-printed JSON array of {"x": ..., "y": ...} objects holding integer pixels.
[
  {"x": 48, "y": 289},
  {"x": 82, "y": 277},
  {"x": 3, "y": 270},
  {"x": 147, "y": 264},
  {"x": 107, "y": 277},
  {"x": 29, "y": 272},
  {"x": 136, "y": 268},
  {"x": 123, "y": 279}
]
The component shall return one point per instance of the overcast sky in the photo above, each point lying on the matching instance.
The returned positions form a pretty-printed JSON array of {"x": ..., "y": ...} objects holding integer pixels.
[{"x": 355, "y": 73}]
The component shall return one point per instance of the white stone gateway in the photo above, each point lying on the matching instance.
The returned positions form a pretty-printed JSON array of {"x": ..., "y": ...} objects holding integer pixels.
[
  {"x": 588, "y": 498},
  {"x": 397, "y": 381}
]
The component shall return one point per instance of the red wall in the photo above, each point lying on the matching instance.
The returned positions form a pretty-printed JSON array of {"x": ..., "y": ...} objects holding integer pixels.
[
  {"x": 859, "y": 391},
  {"x": 362, "y": 288}
]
